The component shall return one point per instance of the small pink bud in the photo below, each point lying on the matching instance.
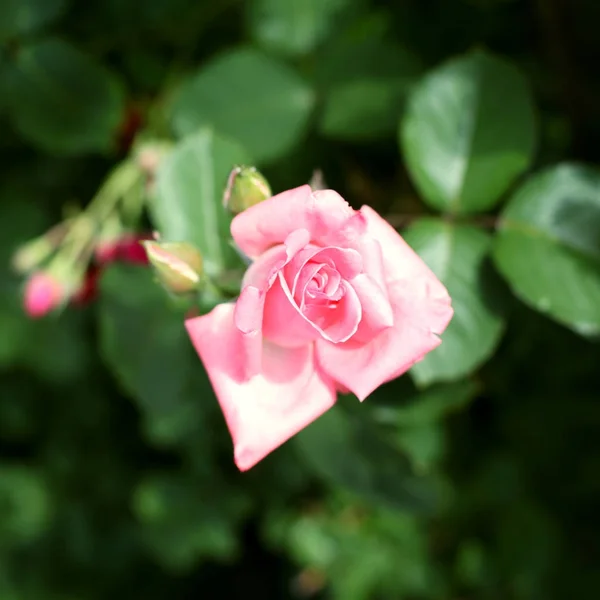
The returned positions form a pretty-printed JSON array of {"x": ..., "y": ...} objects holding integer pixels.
[{"x": 42, "y": 294}]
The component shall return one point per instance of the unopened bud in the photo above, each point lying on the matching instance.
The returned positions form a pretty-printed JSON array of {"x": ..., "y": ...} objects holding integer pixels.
[
  {"x": 245, "y": 188},
  {"x": 178, "y": 265},
  {"x": 43, "y": 293}
]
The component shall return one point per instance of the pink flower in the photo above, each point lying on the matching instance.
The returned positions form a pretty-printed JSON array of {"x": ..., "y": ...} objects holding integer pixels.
[
  {"x": 42, "y": 295},
  {"x": 335, "y": 300}
]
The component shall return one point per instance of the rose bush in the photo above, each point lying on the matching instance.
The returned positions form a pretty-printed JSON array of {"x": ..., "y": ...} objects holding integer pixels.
[{"x": 334, "y": 300}]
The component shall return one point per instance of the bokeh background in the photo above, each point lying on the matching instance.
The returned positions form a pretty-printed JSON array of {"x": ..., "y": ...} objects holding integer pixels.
[{"x": 474, "y": 125}]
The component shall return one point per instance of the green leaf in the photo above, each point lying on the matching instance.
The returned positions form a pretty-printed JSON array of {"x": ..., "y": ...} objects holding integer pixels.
[
  {"x": 435, "y": 403},
  {"x": 293, "y": 27},
  {"x": 468, "y": 132},
  {"x": 144, "y": 342},
  {"x": 457, "y": 254},
  {"x": 425, "y": 445},
  {"x": 354, "y": 456},
  {"x": 19, "y": 17},
  {"x": 361, "y": 551},
  {"x": 188, "y": 204},
  {"x": 183, "y": 521},
  {"x": 365, "y": 83},
  {"x": 23, "y": 218},
  {"x": 62, "y": 100},
  {"x": 548, "y": 245},
  {"x": 26, "y": 504},
  {"x": 252, "y": 98}
]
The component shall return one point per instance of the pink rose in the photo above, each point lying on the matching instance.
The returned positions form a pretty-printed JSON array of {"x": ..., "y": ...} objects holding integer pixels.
[{"x": 335, "y": 300}]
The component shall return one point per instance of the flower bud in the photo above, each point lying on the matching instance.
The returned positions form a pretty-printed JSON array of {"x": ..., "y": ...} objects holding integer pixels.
[
  {"x": 88, "y": 289},
  {"x": 43, "y": 293},
  {"x": 131, "y": 250},
  {"x": 107, "y": 245},
  {"x": 245, "y": 188},
  {"x": 126, "y": 247},
  {"x": 178, "y": 265}
]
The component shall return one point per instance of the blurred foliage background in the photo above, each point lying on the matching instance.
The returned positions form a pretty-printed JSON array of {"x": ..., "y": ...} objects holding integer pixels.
[{"x": 474, "y": 125}]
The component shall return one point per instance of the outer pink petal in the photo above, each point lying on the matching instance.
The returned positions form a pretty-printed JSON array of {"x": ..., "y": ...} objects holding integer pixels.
[
  {"x": 265, "y": 411},
  {"x": 377, "y": 313},
  {"x": 421, "y": 308},
  {"x": 324, "y": 214}
]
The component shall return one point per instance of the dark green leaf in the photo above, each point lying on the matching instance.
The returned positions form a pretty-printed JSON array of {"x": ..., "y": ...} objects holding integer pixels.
[
  {"x": 468, "y": 132},
  {"x": 548, "y": 245},
  {"x": 355, "y": 456},
  {"x": 365, "y": 83},
  {"x": 144, "y": 342},
  {"x": 424, "y": 444},
  {"x": 26, "y": 504},
  {"x": 294, "y": 27},
  {"x": 361, "y": 552},
  {"x": 22, "y": 219},
  {"x": 252, "y": 98},
  {"x": 62, "y": 100},
  {"x": 457, "y": 255},
  {"x": 188, "y": 204},
  {"x": 183, "y": 521},
  {"x": 18, "y": 17},
  {"x": 435, "y": 403}
]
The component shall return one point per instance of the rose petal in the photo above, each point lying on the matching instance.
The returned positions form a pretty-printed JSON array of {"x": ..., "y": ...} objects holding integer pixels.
[
  {"x": 347, "y": 261},
  {"x": 263, "y": 271},
  {"x": 377, "y": 313},
  {"x": 402, "y": 263},
  {"x": 340, "y": 322},
  {"x": 283, "y": 322},
  {"x": 249, "y": 308},
  {"x": 270, "y": 408},
  {"x": 302, "y": 279},
  {"x": 421, "y": 308},
  {"x": 325, "y": 214}
]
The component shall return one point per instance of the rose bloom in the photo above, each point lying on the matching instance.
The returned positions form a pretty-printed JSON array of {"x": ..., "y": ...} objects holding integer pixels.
[{"x": 335, "y": 300}]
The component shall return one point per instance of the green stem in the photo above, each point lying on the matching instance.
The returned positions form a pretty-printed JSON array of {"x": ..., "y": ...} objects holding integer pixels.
[{"x": 78, "y": 243}]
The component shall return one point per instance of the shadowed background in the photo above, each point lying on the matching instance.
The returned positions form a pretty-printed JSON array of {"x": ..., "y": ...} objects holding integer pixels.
[{"x": 474, "y": 126}]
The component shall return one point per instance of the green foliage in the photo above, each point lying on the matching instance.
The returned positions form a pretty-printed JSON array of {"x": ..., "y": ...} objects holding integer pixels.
[
  {"x": 473, "y": 477},
  {"x": 468, "y": 132},
  {"x": 250, "y": 97},
  {"x": 365, "y": 77},
  {"x": 188, "y": 205},
  {"x": 293, "y": 29},
  {"x": 61, "y": 99},
  {"x": 19, "y": 17},
  {"x": 548, "y": 246},
  {"x": 352, "y": 455},
  {"x": 457, "y": 255}
]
